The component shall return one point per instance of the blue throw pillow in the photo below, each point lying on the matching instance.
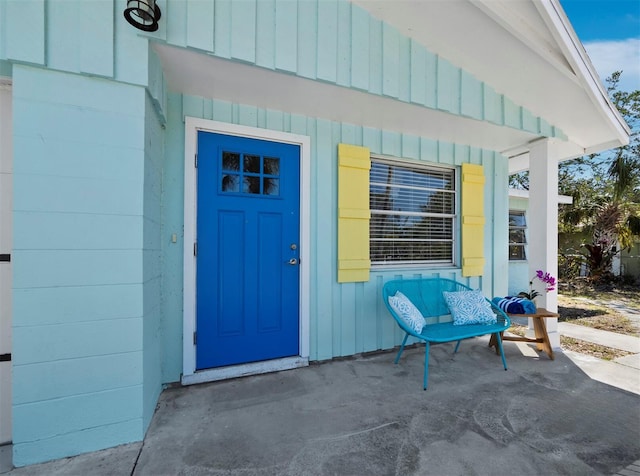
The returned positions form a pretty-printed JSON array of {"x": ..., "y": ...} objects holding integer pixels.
[
  {"x": 469, "y": 307},
  {"x": 409, "y": 313}
]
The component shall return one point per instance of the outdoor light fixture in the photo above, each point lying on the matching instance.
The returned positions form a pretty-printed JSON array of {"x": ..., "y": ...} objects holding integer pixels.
[{"x": 143, "y": 14}]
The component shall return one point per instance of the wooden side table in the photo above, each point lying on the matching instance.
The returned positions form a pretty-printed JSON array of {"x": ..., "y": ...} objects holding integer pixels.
[{"x": 539, "y": 327}]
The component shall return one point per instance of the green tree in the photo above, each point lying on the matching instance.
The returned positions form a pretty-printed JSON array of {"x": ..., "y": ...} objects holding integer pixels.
[{"x": 606, "y": 189}]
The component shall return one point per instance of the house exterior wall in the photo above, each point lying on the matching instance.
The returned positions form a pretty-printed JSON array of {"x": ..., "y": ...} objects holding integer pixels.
[
  {"x": 345, "y": 318},
  {"x": 151, "y": 260},
  {"x": 630, "y": 262},
  {"x": 99, "y": 187},
  {"x": 571, "y": 243},
  {"x": 79, "y": 266},
  {"x": 87, "y": 285}
]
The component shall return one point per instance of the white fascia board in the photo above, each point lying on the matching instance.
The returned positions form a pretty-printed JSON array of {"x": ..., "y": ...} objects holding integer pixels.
[
  {"x": 565, "y": 199},
  {"x": 602, "y": 147},
  {"x": 566, "y": 150},
  {"x": 557, "y": 21},
  {"x": 519, "y": 163},
  {"x": 519, "y": 193}
]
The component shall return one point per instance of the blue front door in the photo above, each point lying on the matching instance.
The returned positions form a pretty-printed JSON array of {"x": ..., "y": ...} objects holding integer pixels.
[{"x": 247, "y": 250}]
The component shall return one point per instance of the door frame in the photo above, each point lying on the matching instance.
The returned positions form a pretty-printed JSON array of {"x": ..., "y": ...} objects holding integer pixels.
[{"x": 192, "y": 127}]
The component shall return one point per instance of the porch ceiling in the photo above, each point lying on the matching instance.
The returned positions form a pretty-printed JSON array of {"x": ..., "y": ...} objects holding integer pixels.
[{"x": 207, "y": 76}]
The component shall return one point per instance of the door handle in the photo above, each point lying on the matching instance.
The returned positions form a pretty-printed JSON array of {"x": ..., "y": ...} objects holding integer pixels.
[{"x": 293, "y": 262}]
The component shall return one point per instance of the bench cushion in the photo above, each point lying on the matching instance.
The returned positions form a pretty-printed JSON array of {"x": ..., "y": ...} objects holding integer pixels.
[
  {"x": 469, "y": 307},
  {"x": 407, "y": 311}
]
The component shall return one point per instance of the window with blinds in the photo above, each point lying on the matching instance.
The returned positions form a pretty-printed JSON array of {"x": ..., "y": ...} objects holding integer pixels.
[
  {"x": 517, "y": 235},
  {"x": 412, "y": 213}
]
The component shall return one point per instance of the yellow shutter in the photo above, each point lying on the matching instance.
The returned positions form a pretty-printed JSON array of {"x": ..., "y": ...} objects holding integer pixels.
[
  {"x": 354, "y": 164},
  {"x": 472, "y": 220}
]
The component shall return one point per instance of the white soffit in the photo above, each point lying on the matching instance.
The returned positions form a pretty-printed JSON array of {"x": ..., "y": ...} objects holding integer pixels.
[
  {"x": 206, "y": 76},
  {"x": 519, "y": 193}
]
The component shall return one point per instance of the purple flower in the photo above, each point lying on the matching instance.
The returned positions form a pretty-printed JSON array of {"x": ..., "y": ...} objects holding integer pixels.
[{"x": 548, "y": 280}]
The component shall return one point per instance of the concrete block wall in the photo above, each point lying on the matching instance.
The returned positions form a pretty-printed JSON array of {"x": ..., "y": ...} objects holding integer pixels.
[
  {"x": 6, "y": 238},
  {"x": 79, "y": 266},
  {"x": 86, "y": 283},
  {"x": 151, "y": 260}
]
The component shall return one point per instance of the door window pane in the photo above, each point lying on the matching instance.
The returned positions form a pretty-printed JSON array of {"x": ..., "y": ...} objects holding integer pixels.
[
  {"x": 258, "y": 175},
  {"x": 271, "y": 186},
  {"x": 251, "y": 164},
  {"x": 230, "y": 161},
  {"x": 230, "y": 183},
  {"x": 271, "y": 166},
  {"x": 251, "y": 185}
]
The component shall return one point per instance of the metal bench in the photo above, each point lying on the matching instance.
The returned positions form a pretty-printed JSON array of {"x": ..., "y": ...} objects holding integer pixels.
[{"x": 426, "y": 295}]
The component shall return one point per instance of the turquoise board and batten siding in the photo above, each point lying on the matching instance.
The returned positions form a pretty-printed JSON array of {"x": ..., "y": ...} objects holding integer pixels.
[
  {"x": 75, "y": 36},
  {"x": 340, "y": 43},
  {"x": 345, "y": 318},
  {"x": 98, "y": 190},
  {"x": 337, "y": 42}
]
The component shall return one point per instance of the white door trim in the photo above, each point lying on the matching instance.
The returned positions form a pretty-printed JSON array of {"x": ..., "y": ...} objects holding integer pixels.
[{"x": 192, "y": 126}]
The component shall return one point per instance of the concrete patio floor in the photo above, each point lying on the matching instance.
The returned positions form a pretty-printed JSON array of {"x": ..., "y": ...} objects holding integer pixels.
[{"x": 366, "y": 416}]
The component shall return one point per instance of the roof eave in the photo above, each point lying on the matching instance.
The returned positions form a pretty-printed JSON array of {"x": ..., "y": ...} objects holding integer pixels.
[{"x": 552, "y": 13}]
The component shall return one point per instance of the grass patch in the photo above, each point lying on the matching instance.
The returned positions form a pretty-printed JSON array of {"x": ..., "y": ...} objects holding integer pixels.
[
  {"x": 594, "y": 350},
  {"x": 517, "y": 329},
  {"x": 581, "y": 303},
  {"x": 629, "y": 296},
  {"x": 580, "y": 346},
  {"x": 581, "y": 310}
]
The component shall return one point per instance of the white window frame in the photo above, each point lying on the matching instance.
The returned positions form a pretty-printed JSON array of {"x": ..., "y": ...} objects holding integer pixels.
[
  {"x": 394, "y": 161},
  {"x": 522, "y": 213}
]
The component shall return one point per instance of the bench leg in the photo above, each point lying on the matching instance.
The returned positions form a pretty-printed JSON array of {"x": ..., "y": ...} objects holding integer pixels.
[
  {"x": 404, "y": 341},
  {"x": 493, "y": 343},
  {"x": 457, "y": 346},
  {"x": 540, "y": 329},
  {"x": 499, "y": 342},
  {"x": 426, "y": 364}
]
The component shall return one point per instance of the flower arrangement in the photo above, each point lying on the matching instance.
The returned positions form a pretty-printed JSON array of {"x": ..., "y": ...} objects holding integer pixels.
[{"x": 549, "y": 285}]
